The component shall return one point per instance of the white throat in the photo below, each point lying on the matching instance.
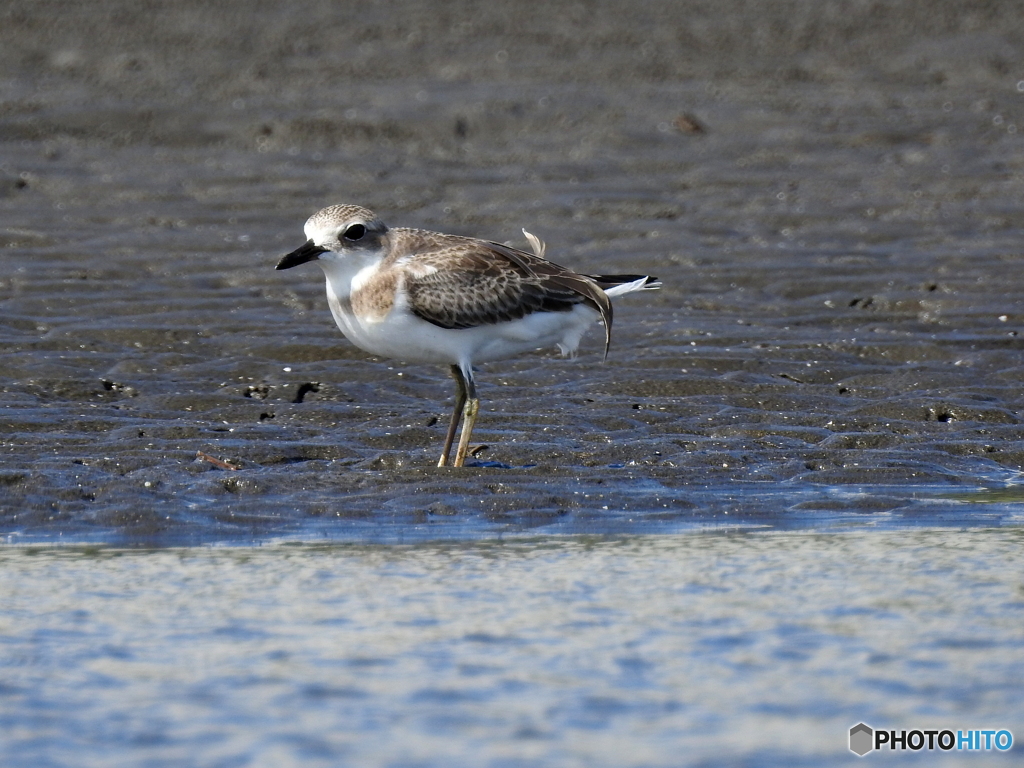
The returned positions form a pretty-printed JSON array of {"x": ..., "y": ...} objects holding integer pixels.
[{"x": 347, "y": 272}]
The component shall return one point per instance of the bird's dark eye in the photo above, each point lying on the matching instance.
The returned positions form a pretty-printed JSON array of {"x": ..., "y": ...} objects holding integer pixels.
[{"x": 355, "y": 232}]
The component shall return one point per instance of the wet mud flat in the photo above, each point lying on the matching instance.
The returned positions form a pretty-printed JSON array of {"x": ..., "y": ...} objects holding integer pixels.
[{"x": 838, "y": 228}]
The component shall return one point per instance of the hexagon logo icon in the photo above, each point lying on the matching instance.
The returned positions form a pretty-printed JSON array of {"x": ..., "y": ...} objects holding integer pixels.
[{"x": 861, "y": 739}]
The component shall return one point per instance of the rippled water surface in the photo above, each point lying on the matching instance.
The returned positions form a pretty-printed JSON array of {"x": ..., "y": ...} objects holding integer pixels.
[{"x": 719, "y": 649}]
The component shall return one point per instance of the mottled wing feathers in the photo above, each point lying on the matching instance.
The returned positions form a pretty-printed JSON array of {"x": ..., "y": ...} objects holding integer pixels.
[{"x": 457, "y": 282}]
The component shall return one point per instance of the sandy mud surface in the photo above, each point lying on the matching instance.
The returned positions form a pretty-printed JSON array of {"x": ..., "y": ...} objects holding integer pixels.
[{"x": 832, "y": 198}]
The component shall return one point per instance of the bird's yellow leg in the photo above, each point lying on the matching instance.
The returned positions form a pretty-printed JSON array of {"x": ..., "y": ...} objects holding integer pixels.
[
  {"x": 471, "y": 406},
  {"x": 469, "y": 413},
  {"x": 460, "y": 402}
]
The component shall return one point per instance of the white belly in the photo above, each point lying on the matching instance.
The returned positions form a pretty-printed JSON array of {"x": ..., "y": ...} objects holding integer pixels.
[{"x": 403, "y": 336}]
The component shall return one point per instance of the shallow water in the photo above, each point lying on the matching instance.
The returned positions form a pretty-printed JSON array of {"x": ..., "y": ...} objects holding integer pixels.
[{"x": 716, "y": 649}]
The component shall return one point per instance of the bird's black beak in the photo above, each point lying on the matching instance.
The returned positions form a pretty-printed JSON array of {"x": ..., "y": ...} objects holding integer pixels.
[{"x": 309, "y": 251}]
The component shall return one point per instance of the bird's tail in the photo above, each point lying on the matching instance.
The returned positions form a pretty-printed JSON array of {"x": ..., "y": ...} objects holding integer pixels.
[{"x": 618, "y": 285}]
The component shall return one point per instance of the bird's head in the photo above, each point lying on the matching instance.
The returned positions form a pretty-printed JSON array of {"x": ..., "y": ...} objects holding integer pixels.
[{"x": 336, "y": 232}]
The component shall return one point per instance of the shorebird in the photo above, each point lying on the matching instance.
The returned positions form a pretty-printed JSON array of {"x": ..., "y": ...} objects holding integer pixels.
[{"x": 427, "y": 297}]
